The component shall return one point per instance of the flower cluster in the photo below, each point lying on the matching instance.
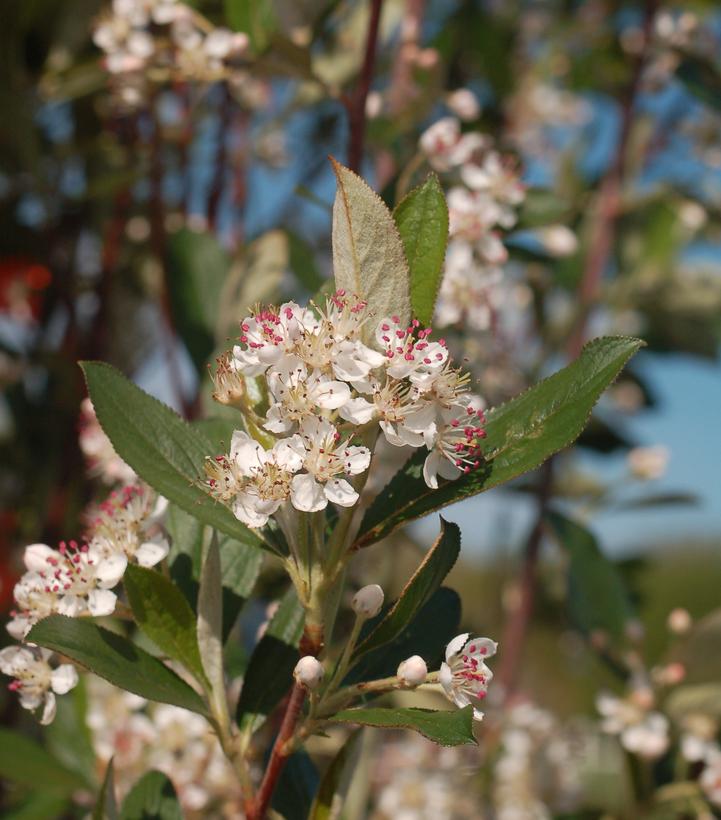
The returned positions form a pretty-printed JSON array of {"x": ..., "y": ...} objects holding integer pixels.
[
  {"x": 168, "y": 40},
  {"x": 484, "y": 193},
  {"x": 327, "y": 383},
  {"x": 139, "y": 736},
  {"x": 641, "y": 729},
  {"x": 78, "y": 579}
]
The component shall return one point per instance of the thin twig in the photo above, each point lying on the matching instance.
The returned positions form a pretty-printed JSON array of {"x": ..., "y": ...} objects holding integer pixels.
[
  {"x": 278, "y": 756},
  {"x": 357, "y": 103}
]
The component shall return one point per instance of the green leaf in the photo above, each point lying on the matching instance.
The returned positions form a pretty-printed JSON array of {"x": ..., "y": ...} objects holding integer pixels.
[
  {"x": 256, "y": 18},
  {"x": 521, "y": 435},
  {"x": 452, "y": 728},
  {"x": 427, "y": 635},
  {"x": 240, "y": 564},
  {"x": 40, "y": 805},
  {"x": 163, "y": 449},
  {"x": 198, "y": 267},
  {"x": 68, "y": 737},
  {"x": 422, "y": 220},
  {"x": 368, "y": 256},
  {"x": 151, "y": 798},
  {"x": 336, "y": 781},
  {"x": 106, "y": 807},
  {"x": 116, "y": 659},
  {"x": 270, "y": 671},
  {"x": 162, "y": 612},
  {"x": 26, "y": 762},
  {"x": 597, "y": 597},
  {"x": 210, "y": 620},
  {"x": 425, "y": 581}
]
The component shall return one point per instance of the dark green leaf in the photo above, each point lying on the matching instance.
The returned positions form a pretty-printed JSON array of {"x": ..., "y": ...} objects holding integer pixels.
[
  {"x": 336, "y": 781},
  {"x": 198, "y": 266},
  {"x": 116, "y": 659},
  {"x": 296, "y": 787},
  {"x": 151, "y": 798},
  {"x": 521, "y": 435},
  {"x": 24, "y": 761},
  {"x": 162, "y": 612},
  {"x": 425, "y": 581},
  {"x": 427, "y": 635},
  {"x": 422, "y": 220},
  {"x": 597, "y": 597},
  {"x": 658, "y": 500},
  {"x": 40, "y": 805},
  {"x": 452, "y": 728},
  {"x": 68, "y": 737},
  {"x": 106, "y": 807},
  {"x": 162, "y": 449},
  {"x": 270, "y": 671}
]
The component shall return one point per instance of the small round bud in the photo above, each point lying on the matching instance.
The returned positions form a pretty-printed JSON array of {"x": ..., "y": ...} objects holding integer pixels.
[
  {"x": 413, "y": 671},
  {"x": 367, "y": 602},
  {"x": 679, "y": 621},
  {"x": 308, "y": 672}
]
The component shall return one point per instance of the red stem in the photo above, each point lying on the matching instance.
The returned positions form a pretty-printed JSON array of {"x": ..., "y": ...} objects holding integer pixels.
[
  {"x": 278, "y": 756},
  {"x": 357, "y": 104},
  {"x": 599, "y": 254}
]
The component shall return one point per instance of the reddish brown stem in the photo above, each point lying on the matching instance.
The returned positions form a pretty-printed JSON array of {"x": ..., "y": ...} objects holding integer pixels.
[
  {"x": 357, "y": 103},
  {"x": 599, "y": 254},
  {"x": 278, "y": 756}
]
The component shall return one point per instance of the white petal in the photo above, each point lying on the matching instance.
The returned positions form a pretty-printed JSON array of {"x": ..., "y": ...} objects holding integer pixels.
[
  {"x": 306, "y": 493},
  {"x": 70, "y": 605},
  {"x": 275, "y": 421},
  {"x": 455, "y": 646},
  {"x": 358, "y": 411},
  {"x": 339, "y": 491},
  {"x": 356, "y": 459},
  {"x": 482, "y": 648},
  {"x": 101, "y": 602},
  {"x": 49, "y": 709},
  {"x": 290, "y": 453},
  {"x": 110, "y": 570},
  {"x": 19, "y": 627},
  {"x": 150, "y": 553},
  {"x": 246, "y": 452},
  {"x": 64, "y": 678},
  {"x": 430, "y": 469},
  {"x": 330, "y": 395},
  {"x": 246, "y": 510},
  {"x": 36, "y": 557},
  {"x": 445, "y": 676}
]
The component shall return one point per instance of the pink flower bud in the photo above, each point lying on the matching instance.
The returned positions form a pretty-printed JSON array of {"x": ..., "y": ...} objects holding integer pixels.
[
  {"x": 413, "y": 671},
  {"x": 367, "y": 602},
  {"x": 308, "y": 672}
]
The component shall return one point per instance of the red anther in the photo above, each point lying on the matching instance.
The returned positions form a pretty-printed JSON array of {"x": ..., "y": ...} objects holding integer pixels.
[{"x": 396, "y": 319}]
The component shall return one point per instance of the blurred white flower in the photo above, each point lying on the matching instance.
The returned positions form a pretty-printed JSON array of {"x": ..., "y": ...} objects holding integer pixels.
[
  {"x": 464, "y": 676},
  {"x": 36, "y": 681},
  {"x": 648, "y": 463}
]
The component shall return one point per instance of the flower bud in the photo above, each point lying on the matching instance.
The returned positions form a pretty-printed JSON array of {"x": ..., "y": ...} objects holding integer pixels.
[
  {"x": 679, "y": 621},
  {"x": 367, "y": 602},
  {"x": 308, "y": 672},
  {"x": 413, "y": 671}
]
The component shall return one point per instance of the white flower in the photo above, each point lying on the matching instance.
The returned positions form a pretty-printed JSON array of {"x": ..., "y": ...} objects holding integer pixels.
[
  {"x": 648, "y": 463},
  {"x": 641, "y": 731},
  {"x": 710, "y": 779},
  {"x": 412, "y": 671},
  {"x": 268, "y": 335},
  {"x": 558, "y": 240},
  {"x": 464, "y": 676},
  {"x": 472, "y": 216},
  {"x": 219, "y": 43},
  {"x": 36, "y": 681},
  {"x": 464, "y": 104},
  {"x": 256, "y": 481},
  {"x": 446, "y": 147},
  {"x": 308, "y": 672},
  {"x": 298, "y": 394},
  {"x": 498, "y": 179},
  {"x": 408, "y": 352},
  {"x": 326, "y": 458},
  {"x": 367, "y": 602},
  {"x": 456, "y": 448}
]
